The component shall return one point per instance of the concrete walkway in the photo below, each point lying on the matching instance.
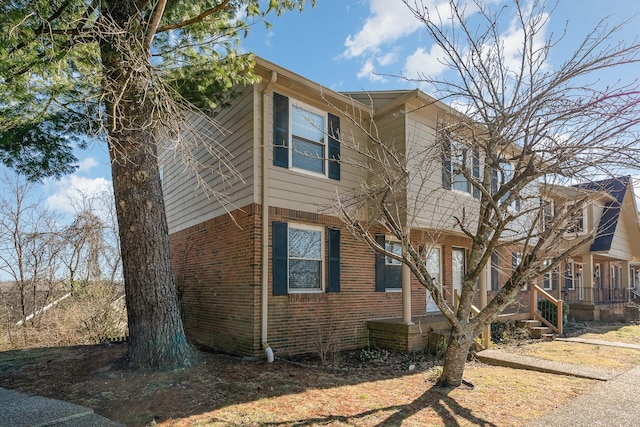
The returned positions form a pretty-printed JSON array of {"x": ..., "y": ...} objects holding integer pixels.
[
  {"x": 613, "y": 402},
  {"x": 20, "y": 409}
]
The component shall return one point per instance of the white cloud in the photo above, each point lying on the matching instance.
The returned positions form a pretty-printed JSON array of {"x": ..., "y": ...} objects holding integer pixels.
[
  {"x": 422, "y": 63},
  {"x": 368, "y": 72},
  {"x": 389, "y": 21},
  {"x": 70, "y": 192},
  {"x": 85, "y": 165},
  {"x": 387, "y": 59}
]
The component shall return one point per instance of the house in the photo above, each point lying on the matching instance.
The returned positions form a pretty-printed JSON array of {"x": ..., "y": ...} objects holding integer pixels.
[
  {"x": 271, "y": 265},
  {"x": 599, "y": 277}
]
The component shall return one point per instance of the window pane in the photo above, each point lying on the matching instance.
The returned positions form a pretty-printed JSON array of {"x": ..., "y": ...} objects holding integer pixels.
[
  {"x": 304, "y": 274},
  {"x": 393, "y": 247},
  {"x": 307, "y": 155},
  {"x": 307, "y": 125},
  {"x": 304, "y": 244},
  {"x": 432, "y": 263}
]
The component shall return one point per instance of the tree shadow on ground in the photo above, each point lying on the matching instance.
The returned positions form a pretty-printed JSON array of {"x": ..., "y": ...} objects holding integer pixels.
[{"x": 447, "y": 409}]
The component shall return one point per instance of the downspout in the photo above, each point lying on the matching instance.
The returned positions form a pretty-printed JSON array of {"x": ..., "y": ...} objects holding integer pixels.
[{"x": 264, "y": 312}]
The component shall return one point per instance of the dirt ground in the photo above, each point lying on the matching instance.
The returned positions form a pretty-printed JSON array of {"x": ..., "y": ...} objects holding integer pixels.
[{"x": 379, "y": 389}]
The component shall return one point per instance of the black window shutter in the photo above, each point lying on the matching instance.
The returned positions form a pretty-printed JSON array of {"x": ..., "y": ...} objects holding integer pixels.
[
  {"x": 280, "y": 254},
  {"x": 446, "y": 165},
  {"x": 554, "y": 279},
  {"x": 476, "y": 171},
  {"x": 380, "y": 265},
  {"x": 280, "y": 130},
  {"x": 494, "y": 271},
  {"x": 334, "y": 259},
  {"x": 333, "y": 154}
]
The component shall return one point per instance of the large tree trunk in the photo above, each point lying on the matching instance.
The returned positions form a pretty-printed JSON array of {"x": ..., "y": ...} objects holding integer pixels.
[
  {"x": 456, "y": 357},
  {"x": 156, "y": 335}
]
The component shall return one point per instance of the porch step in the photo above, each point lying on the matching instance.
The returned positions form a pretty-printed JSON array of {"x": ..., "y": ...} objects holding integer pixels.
[
  {"x": 541, "y": 332},
  {"x": 537, "y": 330}
]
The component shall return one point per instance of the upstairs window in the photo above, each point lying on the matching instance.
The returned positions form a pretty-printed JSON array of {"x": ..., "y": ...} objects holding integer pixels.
[
  {"x": 305, "y": 138},
  {"x": 456, "y": 161},
  {"x": 575, "y": 219},
  {"x": 500, "y": 176},
  {"x": 548, "y": 213}
]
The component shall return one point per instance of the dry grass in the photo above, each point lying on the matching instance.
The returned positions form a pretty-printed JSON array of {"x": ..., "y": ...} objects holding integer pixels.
[
  {"x": 225, "y": 391},
  {"x": 409, "y": 400},
  {"x": 628, "y": 334},
  {"x": 581, "y": 354}
]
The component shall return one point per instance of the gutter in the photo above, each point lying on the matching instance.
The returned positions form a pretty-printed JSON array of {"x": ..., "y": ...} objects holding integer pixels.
[{"x": 264, "y": 301}]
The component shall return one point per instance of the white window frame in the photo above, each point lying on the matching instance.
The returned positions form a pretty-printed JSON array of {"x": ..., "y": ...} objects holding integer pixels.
[
  {"x": 544, "y": 214},
  {"x": 519, "y": 258},
  {"x": 581, "y": 230},
  {"x": 297, "y": 105},
  {"x": 458, "y": 152},
  {"x": 508, "y": 175},
  {"x": 548, "y": 276},
  {"x": 390, "y": 241},
  {"x": 321, "y": 289}
]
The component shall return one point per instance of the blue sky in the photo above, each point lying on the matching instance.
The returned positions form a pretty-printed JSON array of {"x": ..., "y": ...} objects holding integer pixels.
[{"x": 340, "y": 43}]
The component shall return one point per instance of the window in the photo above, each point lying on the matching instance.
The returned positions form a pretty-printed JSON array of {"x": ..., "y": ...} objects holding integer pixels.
[
  {"x": 499, "y": 176},
  {"x": 575, "y": 219},
  {"x": 299, "y": 258},
  {"x": 457, "y": 158},
  {"x": 550, "y": 279},
  {"x": 305, "y": 259},
  {"x": 569, "y": 274},
  {"x": 516, "y": 260},
  {"x": 548, "y": 208},
  {"x": 388, "y": 270},
  {"x": 494, "y": 271},
  {"x": 615, "y": 277},
  {"x": 305, "y": 138}
]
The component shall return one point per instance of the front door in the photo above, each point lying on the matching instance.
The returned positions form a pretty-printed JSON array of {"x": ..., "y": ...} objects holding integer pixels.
[
  {"x": 458, "y": 268},
  {"x": 433, "y": 263},
  {"x": 580, "y": 281}
]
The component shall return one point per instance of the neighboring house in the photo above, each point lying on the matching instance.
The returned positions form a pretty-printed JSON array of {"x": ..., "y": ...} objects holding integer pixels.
[
  {"x": 271, "y": 264},
  {"x": 598, "y": 279}
]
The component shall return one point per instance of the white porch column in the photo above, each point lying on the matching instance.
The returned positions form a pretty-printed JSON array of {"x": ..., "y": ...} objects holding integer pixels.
[
  {"x": 406, "y": 287},
  {"x": 406, "y": 295},
  {"x": 587, "y": 277},
  {"x": 486, "y": 333},
  {"x": 625, "y": 277}
]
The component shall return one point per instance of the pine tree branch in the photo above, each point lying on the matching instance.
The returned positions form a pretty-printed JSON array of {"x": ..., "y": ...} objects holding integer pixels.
[{"x": 222, "y": 6}]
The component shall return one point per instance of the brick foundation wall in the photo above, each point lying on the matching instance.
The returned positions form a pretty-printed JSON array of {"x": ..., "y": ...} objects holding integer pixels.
[{"x": 217, "y": 269}]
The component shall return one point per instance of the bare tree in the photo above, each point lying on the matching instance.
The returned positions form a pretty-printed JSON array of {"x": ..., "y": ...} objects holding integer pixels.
[
  {"x": 521, "y": 130},
  {"x": 28, "y": 248}
]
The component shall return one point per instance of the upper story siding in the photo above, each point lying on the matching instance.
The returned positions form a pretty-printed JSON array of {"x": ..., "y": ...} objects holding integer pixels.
[{"x": 213, "y": 189}]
